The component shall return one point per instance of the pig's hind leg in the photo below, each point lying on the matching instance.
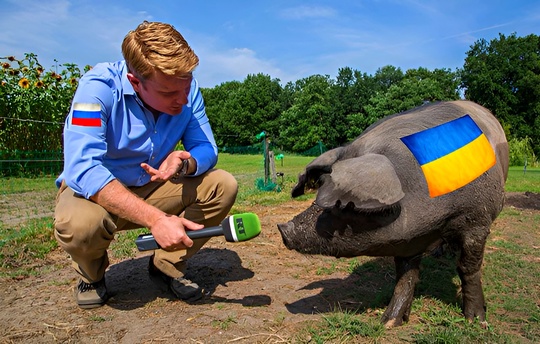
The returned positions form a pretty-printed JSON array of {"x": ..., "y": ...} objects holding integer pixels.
[{"x": 472, "y": 244}]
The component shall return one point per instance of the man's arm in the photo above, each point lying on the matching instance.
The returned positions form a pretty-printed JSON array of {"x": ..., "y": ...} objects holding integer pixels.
[{"x": 168, "y": 230}]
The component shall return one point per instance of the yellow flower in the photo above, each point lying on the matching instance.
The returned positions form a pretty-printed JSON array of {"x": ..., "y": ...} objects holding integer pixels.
[
  {"x": 39, "y": 69},
  {"x": 24, "y": 83},
  {"x": 58, "y": 77},
  {"x": 39, "y": 84},
  {"x": 4, "y": 83},
  {"x": 5, "y": 65},
  {"x": 25, "y": 69},
  {"x": 73, "y": 81}
]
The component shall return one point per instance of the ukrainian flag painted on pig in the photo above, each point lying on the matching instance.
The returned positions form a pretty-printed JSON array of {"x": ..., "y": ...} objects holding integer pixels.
[{"x": 451, "y": 155}]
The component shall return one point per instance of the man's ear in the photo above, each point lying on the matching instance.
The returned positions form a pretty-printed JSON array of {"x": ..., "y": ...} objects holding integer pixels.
[{"x": 135, "y": 82}]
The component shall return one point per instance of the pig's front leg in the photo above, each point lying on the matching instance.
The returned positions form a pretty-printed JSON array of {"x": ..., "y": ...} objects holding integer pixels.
[{"x": 407, "y": 275}]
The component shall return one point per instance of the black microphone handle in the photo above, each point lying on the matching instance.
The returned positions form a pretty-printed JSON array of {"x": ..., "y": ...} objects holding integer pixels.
[
  {"x": 205, "y": 232},
  {"x": 147, "y": 242}
]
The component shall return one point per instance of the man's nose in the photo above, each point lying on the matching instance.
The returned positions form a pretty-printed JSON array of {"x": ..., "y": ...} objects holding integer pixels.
[{"x": 183, "y": 97}]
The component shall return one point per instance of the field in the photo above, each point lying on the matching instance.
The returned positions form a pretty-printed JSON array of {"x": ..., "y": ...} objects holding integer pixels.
[{"x": 258, "y": 291}]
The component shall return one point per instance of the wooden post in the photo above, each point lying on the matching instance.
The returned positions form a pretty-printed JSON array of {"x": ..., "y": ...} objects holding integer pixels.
[{"x": 272, "y": 166}]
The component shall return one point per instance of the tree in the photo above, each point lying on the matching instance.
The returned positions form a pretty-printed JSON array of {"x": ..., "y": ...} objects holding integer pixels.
[
  {"x": 238, "y": 111},
  {"x": 350, "y": 94},
  {"x": 417, "y": 87},
  {"x": 504, "y": 76},
  {"x": 309, "y": 119}
]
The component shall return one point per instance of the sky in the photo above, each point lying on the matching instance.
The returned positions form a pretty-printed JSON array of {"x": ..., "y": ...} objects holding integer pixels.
[{"x": 287, "y": 40}]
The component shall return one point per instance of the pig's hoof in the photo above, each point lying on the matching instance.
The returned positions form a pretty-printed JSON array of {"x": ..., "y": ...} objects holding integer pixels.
[{"x": 391, "y": 323}]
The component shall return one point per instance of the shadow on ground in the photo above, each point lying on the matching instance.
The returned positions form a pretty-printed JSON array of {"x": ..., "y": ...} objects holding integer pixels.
[
  {"x": 131, "y": 286},
  {"x": 371, "y": 285}
]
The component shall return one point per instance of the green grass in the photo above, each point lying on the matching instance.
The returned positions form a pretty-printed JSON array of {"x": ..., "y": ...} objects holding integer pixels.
[
  {"x": 248, "y": 169},
  {"x": 511, "y": 275},
  {"x": 339, "y": 326},
  {"x": 520, "y": 180}
]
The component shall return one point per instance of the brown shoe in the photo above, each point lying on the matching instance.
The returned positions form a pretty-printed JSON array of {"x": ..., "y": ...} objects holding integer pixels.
[
  {"x": 91, "y": 295},
  {"x": 181, "y": 287}
]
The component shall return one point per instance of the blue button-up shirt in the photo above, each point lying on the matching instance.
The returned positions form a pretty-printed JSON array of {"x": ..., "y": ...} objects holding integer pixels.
[{"x": 96, "y": 152}]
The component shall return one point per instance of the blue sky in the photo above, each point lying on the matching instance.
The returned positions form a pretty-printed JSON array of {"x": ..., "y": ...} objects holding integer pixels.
[{"x": 287, "y": 40}]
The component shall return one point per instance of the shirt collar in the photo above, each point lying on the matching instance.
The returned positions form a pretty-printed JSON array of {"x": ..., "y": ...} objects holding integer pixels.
[{"x": 126, "y": 85}]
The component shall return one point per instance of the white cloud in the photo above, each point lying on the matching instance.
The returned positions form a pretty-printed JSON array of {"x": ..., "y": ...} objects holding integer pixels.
[
  {"x": 61, "y": 30},
  {"x": 217, "y": 64}
]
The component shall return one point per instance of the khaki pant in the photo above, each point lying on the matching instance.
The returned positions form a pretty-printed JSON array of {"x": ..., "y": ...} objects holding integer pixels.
[{"x": 84, "y": 229}]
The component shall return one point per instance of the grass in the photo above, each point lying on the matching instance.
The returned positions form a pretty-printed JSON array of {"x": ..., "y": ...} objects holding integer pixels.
[
  {"x": 248, "y": 169},
  {"x": 520, "y": 180},
  {"x": 511, "y": 274}
]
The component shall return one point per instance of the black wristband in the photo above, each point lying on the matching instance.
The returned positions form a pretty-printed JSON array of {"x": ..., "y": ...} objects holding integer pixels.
[{"x": 182, "y": 171}]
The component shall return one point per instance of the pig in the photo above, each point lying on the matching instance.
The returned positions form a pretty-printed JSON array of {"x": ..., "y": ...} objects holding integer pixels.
[{"x": 408, "y": 184}]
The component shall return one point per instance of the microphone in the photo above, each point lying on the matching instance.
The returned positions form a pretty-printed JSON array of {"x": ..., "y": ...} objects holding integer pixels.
[{"x": 235, "y": 228}]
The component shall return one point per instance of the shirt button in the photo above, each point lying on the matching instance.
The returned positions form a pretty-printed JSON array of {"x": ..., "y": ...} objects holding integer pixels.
[{"x": 155, "y": 131}]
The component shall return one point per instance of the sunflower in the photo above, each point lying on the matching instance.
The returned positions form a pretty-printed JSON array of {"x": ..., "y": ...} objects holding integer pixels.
[
  {"x": 5, "y": 65},
  {"x": 73, "y": 81},
  {"x": 40, "y": 70},
  {"x": 58, "y": 77},
  {"x": 39, "y": 84},
  {"x": 24, "y": 83}
]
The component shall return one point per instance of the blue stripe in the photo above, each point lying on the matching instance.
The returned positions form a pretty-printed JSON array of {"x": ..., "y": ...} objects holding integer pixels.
[
  {"x": 434, "y": 143},
  {"x": 86, "y": 114}
]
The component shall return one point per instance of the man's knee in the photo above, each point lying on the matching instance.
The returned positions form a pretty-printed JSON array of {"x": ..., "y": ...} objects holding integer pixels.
[
  {"x": 83, "y": 230},
  {"x": 226, "y": 187}
]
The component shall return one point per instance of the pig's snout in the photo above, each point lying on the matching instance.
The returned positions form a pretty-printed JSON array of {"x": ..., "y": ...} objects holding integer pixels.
[{"x": 286, "y": 229}]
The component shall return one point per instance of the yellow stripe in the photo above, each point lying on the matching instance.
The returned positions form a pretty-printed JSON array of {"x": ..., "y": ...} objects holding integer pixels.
[{"x": 460, "y": 167}]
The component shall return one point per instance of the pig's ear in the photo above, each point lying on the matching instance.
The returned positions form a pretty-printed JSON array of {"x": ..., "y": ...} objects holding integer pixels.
[
  {"x": 310, "y": 179},
  {"x": 369, "y": 182}
]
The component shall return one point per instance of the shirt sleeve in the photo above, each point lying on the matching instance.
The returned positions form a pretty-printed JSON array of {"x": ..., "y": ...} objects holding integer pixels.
[
  {"x": 85, "y": 138},
  {"x": 198, "y": 138}
]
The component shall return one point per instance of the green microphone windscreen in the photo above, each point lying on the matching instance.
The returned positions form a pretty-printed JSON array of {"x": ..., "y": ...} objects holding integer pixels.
[{"x": 241, "y": 227}]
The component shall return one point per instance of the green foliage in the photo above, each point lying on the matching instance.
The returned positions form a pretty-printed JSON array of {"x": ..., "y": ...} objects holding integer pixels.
[
  {"x": 33, "y": 105},
  {"x": 521, "y": 152},
  {"x": 30, "y": 95},
  {"x": 240, "y": 110},
  {"x": 504, "y": 76},
  {"x": 415, "y": 88}
]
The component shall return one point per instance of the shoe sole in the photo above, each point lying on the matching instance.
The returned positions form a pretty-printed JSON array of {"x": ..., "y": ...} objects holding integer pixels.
[{"x": 91, "y": 305}]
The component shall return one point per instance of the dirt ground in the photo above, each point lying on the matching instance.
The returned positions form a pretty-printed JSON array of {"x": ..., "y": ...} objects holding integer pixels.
[{"x": 255, "y": 292}]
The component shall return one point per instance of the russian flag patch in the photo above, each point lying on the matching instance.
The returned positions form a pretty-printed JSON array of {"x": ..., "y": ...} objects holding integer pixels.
[
  {"x": 451, "y": 155},
  {"x": 86, "y": 114}
]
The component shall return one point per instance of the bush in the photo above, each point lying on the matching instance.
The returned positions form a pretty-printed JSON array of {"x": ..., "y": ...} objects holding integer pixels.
[{"x": 521, "y": 152}]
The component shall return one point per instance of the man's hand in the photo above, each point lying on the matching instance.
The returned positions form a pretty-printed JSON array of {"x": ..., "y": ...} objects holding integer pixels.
[
  {"x": 170, "y": 232},
  {"x": 168, "y": 167}
]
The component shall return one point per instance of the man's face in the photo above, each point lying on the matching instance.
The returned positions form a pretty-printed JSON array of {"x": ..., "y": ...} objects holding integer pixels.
[{"x": 161, "y": 92}]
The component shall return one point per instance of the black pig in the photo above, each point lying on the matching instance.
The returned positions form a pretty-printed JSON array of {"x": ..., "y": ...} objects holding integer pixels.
[{"x": 410, "y": 182}]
